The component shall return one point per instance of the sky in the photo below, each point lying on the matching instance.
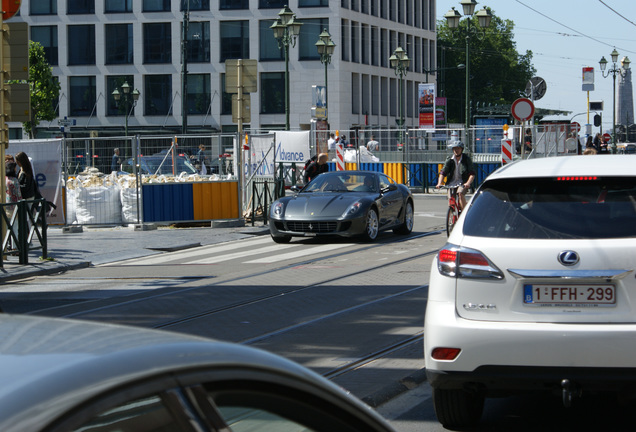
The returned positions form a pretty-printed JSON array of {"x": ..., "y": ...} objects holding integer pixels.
[{"x": 565, "y": 36}]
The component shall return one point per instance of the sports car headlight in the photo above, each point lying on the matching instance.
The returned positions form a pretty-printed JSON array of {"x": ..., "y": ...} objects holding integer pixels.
[
  {"x": 277, "y": 209},
  {"x": 353, "y": 209}
]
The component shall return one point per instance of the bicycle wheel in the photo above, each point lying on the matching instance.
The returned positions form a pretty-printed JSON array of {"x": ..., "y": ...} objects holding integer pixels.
[{"x": 451, "y": 218}]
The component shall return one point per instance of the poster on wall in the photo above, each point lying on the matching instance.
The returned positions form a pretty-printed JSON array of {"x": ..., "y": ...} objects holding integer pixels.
[
  {"x": 440, "y": 112},
  {"x": 426, "y": 104}
]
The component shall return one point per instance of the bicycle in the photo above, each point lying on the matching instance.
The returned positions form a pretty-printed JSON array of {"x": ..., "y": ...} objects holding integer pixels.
[{"x": 453, "y": 209}]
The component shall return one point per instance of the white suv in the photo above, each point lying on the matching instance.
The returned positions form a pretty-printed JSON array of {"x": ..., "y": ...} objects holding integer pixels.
[{"x": 535, "y": 289}]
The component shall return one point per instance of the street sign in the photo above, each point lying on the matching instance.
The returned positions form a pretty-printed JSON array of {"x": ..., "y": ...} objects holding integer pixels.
[
  {"x": 10, "y": 8},
  {"x": 249, "y": 75},
  {"x": 607, "y": 137},
  {"x": 575, "y": 127},
  {"x": 522, "y": 109},
  {"x": 536, "y": 88},
  {"x": 66, "y": 122}
]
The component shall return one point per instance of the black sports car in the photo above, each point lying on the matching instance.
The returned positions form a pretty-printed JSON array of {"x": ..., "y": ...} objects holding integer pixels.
[{"x": 343, "y": 203}]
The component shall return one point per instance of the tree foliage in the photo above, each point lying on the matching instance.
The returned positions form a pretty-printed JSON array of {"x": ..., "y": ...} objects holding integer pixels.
[
  {"x": 498, "y": 73},
  {"x": 44, "y": 89}
]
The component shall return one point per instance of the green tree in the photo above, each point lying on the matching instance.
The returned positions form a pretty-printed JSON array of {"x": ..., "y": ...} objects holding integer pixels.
[
  {"x": 498, "y": 73},
  {"x": 45, "y": 89}
]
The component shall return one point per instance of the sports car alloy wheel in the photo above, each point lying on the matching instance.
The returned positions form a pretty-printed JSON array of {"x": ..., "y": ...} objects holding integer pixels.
[
  {"x": 407, "y": 226},
  {"x": 372, "y": 225}
]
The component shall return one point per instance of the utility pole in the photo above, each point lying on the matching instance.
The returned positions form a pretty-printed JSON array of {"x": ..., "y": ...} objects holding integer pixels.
[{"x": 184, "y": 69}]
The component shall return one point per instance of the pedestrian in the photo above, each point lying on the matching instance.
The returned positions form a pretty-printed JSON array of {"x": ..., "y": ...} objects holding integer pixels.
[
  {"x": 527, "y": 141},
  {"x": 316, "y": 168},
  {"x": 590, "y": 151},
  {"x": 26, "y": 178},
  {"x": 344, "y": 142},
  {"x": 598, "y": 139},
  {"x": 115, "y": 164},
  {"x": 331, "y": 142},
  {"x": 203, "y": 160},
  {"x": 459, "y": 172},
  {"x": 13, "y": 194},
  {"x": 373, "y": 145}
]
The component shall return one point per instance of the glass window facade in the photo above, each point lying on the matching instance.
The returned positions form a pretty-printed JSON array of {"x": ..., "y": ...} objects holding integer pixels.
[
  {"x": 268, "y": 46},
  {"x": 81, "y": 45},
  {"x": 198, "y": 93},
  {"x": 312, "y": 3},
  {"x": 43, "y": 7},
  {"x": 234, "y": 4},
  {"x": 119, "y": 44},
  {"x": 199, "y": 42},
  {"x": 195, "y": 5},
  {"x": 272, "y": 93},
  {"x": 82, "y": 95},
  {"x": 235, "y": 40},
  {"x": 80, "y": 7},
  {"x": 156, "y": 5},
  {"x": 117, "y": 6},
  {"x": 308, "y": 37},
  {"x": 157, "y": 43},
  {"x": 271, "y": 4},
  {"x": 47, "y": 37},
  {"x": 157, "y": 94}
]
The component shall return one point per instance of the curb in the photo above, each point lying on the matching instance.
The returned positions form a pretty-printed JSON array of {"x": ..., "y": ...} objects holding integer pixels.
[
  {"x": 395, "y": 389},
  {"x": 40, "y": 269}
]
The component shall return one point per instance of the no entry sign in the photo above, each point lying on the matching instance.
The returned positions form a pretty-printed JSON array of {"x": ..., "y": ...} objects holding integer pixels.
[{"x": 522, "y": 109}]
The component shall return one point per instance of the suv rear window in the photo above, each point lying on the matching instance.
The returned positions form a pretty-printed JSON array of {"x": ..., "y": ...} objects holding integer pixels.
[{"x": 554, "y": 208}]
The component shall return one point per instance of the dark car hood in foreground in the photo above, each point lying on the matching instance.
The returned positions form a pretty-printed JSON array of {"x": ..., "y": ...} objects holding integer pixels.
[{"x": 320, "y": 205}]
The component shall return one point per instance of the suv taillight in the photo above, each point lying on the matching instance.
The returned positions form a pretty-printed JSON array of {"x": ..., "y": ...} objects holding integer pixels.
[{"x": 456, "y": 261}]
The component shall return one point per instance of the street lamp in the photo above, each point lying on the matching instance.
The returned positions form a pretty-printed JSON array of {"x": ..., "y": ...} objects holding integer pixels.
[
  {"x": 484, "y": 17},
  {"x": 400, "y": 61},
  {"x": 615, "y": 70},
  {"x": 286, "y": 29},
  {"x": 325, "y": 47},
  {"x": 129, "y": 101}
]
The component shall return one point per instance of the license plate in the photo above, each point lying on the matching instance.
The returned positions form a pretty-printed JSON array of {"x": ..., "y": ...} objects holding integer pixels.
[
  {"x": 570, "y": 295},
  {"x": 309, "y": 234}
]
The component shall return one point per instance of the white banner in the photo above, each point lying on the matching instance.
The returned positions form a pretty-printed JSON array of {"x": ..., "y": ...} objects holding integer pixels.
[
  {"x": 261, "y": 156},
  {"x": 46, "y": 158},
  {"x": 292, "y": 147}
]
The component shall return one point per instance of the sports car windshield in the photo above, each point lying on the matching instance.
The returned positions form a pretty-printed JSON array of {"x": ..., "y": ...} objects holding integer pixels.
[
  {"x": 334, "y": 182},
  {"x": 554, "y": 208}
]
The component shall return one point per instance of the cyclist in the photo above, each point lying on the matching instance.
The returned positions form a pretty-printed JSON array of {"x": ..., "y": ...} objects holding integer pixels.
[{"x": 459, "y": 172}]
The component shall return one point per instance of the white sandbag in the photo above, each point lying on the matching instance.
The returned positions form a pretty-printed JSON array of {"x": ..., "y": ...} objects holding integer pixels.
[
  {"x": 70, "y": 207},
  {"x": 98, "y": 205},
  {"x": 129, "y": 205}
]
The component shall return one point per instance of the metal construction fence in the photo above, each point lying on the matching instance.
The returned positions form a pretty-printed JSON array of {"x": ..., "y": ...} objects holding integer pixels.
[{"x": 167, "y": 179}]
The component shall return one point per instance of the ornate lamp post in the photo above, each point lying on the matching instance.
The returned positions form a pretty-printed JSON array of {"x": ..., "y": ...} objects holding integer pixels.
[
  {"x": 400, "y": 61},
  {"x": 484, "y": 17},
  {"x": 128, "y": 99},
  {"x": 615, "y": 70},
  {"x": 286, "y": 29},
  {"x": 325, "y": 47}
]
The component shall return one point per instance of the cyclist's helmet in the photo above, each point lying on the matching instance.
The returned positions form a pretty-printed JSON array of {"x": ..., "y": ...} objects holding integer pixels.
[{"x": 454, "y": 144}]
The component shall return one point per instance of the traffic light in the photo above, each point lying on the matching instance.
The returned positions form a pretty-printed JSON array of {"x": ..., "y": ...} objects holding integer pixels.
[{"x": 597, "y": 120}]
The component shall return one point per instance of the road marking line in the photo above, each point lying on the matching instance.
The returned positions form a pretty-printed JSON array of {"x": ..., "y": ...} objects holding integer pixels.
[{"x": 310, "y": 251}]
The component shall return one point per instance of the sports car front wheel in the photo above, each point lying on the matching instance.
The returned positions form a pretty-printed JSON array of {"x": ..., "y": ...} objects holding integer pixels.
[
  {"x": 372, "y": 225},
  {"x": 407, "y": 226}
]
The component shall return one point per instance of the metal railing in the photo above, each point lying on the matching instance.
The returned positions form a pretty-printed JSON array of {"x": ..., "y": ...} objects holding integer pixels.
[{"x": 24, "y": 222}]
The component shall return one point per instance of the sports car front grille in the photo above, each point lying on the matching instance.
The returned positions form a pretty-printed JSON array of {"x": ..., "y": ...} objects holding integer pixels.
[{"x": 315, "y": 227}]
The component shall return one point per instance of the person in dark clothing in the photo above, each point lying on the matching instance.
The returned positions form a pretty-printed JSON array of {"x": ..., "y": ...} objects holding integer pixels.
[
  {"x": 316, "y": 168},
  {"x": 459, "y": 172}
]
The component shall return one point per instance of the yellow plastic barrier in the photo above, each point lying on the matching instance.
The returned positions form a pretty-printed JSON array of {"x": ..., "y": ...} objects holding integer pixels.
[{"x": 215, "y": 200}]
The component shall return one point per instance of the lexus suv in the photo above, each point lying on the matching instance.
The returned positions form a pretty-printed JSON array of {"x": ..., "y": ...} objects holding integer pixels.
[{"x": 535, "y": 289}]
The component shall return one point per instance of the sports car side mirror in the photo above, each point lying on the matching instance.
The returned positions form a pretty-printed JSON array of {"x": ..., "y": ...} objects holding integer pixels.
[
  {"x": 295, "y": 188},
  {"x": 389, "y": 188}
]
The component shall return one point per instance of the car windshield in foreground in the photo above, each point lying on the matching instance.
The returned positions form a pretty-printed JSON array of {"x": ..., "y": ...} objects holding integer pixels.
[
  {"x": 554, "y": 208},
  {"x": 332, "y": 182}
]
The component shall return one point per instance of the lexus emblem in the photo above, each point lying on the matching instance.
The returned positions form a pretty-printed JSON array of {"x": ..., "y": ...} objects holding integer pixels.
[{"x": 568, "y": 258}]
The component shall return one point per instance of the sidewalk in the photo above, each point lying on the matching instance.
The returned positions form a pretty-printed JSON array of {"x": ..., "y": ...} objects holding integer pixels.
[{"x": 100, "y": 245}]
